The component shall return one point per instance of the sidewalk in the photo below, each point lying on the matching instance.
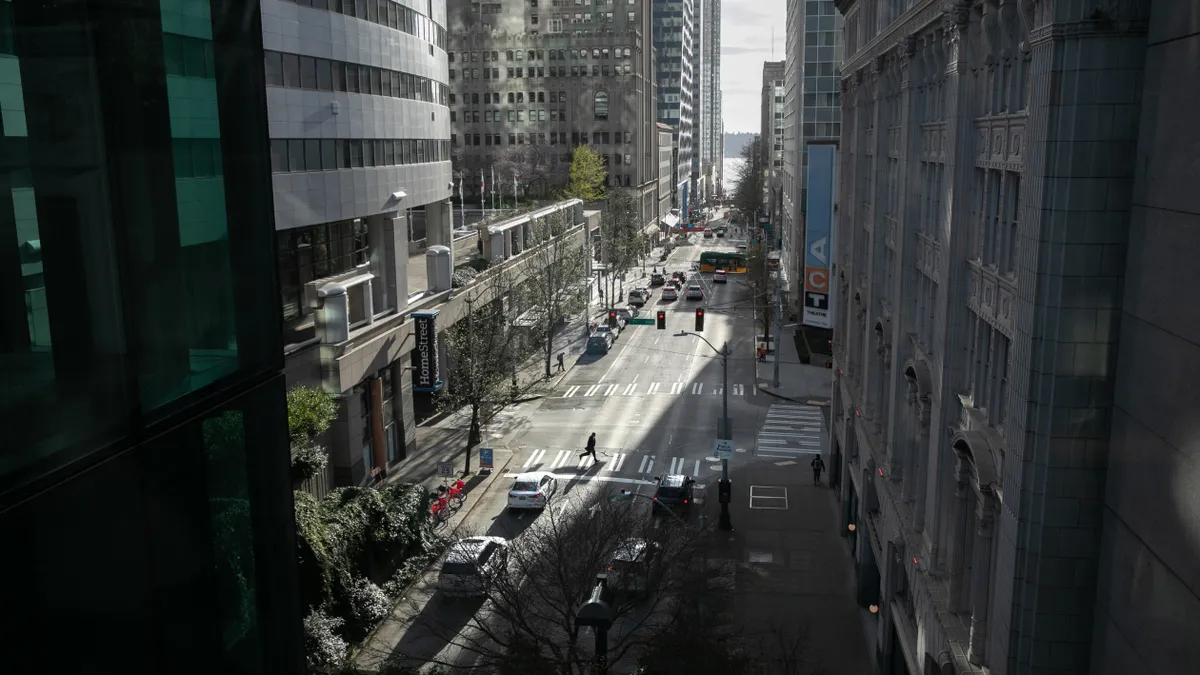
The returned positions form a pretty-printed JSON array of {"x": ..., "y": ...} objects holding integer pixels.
[
  {"x": 798, "y": 382},
  {"x": 788, "y": 565}
]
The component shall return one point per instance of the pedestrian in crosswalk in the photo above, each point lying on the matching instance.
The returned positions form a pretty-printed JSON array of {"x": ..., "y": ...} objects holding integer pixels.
[
  {"x": 591, "y": 448},
  {"x": 818, "y": 465}
]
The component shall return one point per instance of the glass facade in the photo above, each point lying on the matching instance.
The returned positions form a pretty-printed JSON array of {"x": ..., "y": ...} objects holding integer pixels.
[
  {"x": 145, "y": 501},
  {"x": 822, "y": 74}
]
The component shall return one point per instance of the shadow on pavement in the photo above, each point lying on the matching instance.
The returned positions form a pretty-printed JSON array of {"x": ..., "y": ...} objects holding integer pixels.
[
  {"x": 440, "y": 620},
  {"x": 510, "y": 525},
  {"x": 577, "y": 477}
]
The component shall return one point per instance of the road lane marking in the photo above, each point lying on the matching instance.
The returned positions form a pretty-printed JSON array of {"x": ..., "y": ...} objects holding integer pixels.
[
  {"x": 676, "y": 465},
  {"x": 534, "y": 459},
  {"x": 739, "y": 390},
  {"x": 561, "y": 460},
  {"x": 677, "y": 388},
  {"x": 571, "y": 391},
  {"x": 642, "y": 466},
  {"x": 592, "y": 389},
  {"x": 698, "y": 388},
  {"x": 611, "y": 389},
  {"x": 754, "y": 391},
  {"x": 653, "y": 388},
  {"x": 719, "y": 390},
  {"x": 629, "y": 389},
  {"x": 615, "y": 464},
  {"x": 696, "y": 472},
  {"x": 598, "y": 479}
]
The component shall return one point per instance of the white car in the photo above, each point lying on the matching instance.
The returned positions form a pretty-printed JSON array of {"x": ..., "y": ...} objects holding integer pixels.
[
  {"x": 694, "y": 292},
  {"x": 614, "y": 331},
  {"x": 470, "y": 563},
  {"x": 669, "y": 293},
  {"x": 532, "y": 490},
  {"x": 720, "y": 277}
]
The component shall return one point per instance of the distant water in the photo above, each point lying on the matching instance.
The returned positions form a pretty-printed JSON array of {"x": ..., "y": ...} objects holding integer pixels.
[{"x": 729, "y": 170}]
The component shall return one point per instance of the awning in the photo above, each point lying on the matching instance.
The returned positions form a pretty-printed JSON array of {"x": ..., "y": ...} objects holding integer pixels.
[{"x": 670, "y": 220}]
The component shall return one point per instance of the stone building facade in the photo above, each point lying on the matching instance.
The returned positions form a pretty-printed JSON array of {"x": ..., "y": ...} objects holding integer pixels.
[
  {"x": 1004, "y": 374},
  {"x": 531, "y": 81}
]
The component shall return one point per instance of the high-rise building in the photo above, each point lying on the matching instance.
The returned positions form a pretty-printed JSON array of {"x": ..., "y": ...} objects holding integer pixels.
[
  {"x": 770, "y": 136},
  {"x": 710, "y": 99},
  {"x": 145, "y": 495},
  {"x": 531, "y": 81},
  {"x": 674, "y": 40},
  {"x": 360, "y": 150},
  {"x": 1015, "y": 342},
  {"x": 811, "y": 115}
]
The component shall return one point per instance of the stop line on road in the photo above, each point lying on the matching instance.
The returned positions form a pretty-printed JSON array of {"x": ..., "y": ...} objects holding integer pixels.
[
  {"x": 612, "y": 461},
  {"x": 653, "y": 388}
]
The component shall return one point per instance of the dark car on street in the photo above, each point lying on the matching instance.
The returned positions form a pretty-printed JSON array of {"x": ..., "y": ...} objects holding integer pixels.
[
  {"x": 674, "y": 493},
  {"x": 657, "y": 279}
]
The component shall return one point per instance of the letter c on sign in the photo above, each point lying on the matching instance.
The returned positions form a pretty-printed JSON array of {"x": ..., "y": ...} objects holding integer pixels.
[{"x": 818, "y": 280}]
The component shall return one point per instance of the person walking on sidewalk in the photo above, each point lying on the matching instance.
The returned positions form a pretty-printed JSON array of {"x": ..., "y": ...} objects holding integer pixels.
[
  {"x": 560, "y": 362},
  {"x": 591, "y": 448},
  {"x": 818, "y": 465}
]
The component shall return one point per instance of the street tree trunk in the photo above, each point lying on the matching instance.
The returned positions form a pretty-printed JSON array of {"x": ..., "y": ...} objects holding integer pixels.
[{"x": 474, "y": 436}]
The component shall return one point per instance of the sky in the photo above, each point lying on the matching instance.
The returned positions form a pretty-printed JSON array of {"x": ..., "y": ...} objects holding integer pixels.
[{"x": 746, "y": 27}]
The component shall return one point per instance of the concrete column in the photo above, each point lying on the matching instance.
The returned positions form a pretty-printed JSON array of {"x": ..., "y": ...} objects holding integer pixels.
[
  {"x": 394, "y": 247},
  {"x": 958, "y": 540},
  {"x": 981, "y": 580},
  {"x": 439, "y": 225},
  {"x": 921, "y": 453},
  {"x": 908, "y": 443}
]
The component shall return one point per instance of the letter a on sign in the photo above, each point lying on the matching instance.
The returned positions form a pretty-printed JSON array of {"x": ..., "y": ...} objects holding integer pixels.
[{"x": 817, "y": 250}]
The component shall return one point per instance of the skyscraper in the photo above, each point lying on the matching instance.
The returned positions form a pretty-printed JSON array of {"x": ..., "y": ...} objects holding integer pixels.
[
  {"x": 811, "y": 115},
  {"x": 710, "y": 99},
  {"x": 674, "y": 39},
  {"x": 771, "y": 135},
  {"x": 145, "y": 495}
]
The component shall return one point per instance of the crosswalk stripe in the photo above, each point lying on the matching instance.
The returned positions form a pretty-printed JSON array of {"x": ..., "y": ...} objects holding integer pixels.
[
  {"x": 698, "y": 388},
  {"x": 754, "y": 391},
  {"x": 739, "y": 390},
  {"x": 718, "y": 391},
  {"x": 677, "y": 388},
  {"x": 571, "y": 391},
  {"x": 676, "y": 465},
  {"x": 534, "y": 459},
  {"x": 584, "y": 462},
  {"x": 615, "y": 463},
  {"x": 630, "y": 389},
  {"x": 592, "y": 389},
  {"x": 561, "y": 460},
  {"x": 696, "y": 472},
  {"x": 611, "y": 389},
  {"x": 653, "y": 389}
]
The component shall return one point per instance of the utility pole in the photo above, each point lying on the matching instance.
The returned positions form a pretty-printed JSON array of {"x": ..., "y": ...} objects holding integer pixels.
[
  {"x": 725, "y": 523},
  {"x": 778, "y": 320}
]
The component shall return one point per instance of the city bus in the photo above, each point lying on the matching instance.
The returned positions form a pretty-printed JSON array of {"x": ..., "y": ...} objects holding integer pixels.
[{"x": 734, "y": 263}]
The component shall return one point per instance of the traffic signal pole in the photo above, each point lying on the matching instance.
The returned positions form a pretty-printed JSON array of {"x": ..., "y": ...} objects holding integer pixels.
[{"x": 725, "y": 523}]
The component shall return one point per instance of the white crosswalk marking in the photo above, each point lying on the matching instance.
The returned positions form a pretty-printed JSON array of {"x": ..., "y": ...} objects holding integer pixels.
[
  {"x": 593, "y": 389},
  {"x": 792, "y": 430},
  {"x": 614, "y": 463},
  {"x": 647, "y": 464},
  {"x": 677, "y": 388},
  {"x": 739, "y": 390},
  {"x": 629, "y": 390},
  {"x": 676, "y": 465},
  {"x": 584, "y": 462},
  {"x": 561, "y": 460},
  {"x": 696, "y": 471},
  {"x": 611, "y": 389},
  {"x": 535, "y": 458},
  {"x": 754, "y": 391},
  {"x": 652, "y": 389},
  {"x": 719, "y": 391},
  {"x": 571, "y": 391},
  {"x": 698, "y": 388}
]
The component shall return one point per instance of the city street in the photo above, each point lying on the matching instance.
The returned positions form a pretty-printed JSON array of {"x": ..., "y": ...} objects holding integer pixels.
[{"x": 653, "y": 402}]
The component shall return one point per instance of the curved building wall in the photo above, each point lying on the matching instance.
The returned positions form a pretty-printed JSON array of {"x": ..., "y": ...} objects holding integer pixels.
[{"x": 405, "y": 118}]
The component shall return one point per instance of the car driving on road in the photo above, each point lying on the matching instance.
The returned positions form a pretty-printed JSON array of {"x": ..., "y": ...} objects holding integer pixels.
[
  {"x": 674, "y": 492},
  {"x": 670, "y": 293},
  {"x": 657, "y": 279},
  {"x": 470, "y": 563},
  {"x": 694, "y": 292},
  {"x": 612, "y": 331},
  {"x": 628, "y": 572},
  {"x": 532, "y": 490},
  {"x": 599, "y": 343},
  {"x": 720, "y": 277}
]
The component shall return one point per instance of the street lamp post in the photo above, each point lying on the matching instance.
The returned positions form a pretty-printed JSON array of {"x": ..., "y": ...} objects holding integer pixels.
[{"x": 724, "y": 490}]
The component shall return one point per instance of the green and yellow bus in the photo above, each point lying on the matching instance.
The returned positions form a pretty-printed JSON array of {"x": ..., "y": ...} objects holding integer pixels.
[{"x": 734, "y": 263}]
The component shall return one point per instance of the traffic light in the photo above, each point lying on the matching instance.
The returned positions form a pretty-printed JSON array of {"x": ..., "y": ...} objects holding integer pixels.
[
  {"x": 662, "y": 320},
  {"x": 699, "y": 321},
  {"x": 612, "y": 318}
]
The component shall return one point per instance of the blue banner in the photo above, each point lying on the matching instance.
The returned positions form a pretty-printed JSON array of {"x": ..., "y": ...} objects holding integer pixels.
[{"x": 818, "y": 226}]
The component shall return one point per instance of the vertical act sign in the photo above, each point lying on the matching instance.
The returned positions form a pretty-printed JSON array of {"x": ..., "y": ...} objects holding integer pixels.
[
  {"x": 427, "y": 373},
  {"x": 818, "y": 227}
]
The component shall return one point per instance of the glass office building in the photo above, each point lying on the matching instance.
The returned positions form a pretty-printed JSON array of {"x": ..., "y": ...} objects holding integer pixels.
[{"x": 145, "y": 501}]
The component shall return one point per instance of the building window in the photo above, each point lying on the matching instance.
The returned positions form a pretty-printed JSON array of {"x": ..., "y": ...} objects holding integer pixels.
[
  {"x": 312, "y": 253},
  {"x": 533, "y": 19},
  {"x": 600, "y": 106}
]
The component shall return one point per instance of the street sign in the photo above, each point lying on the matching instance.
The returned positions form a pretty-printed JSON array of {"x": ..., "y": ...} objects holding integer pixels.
[
  {"x": 446, "y": 469},
  {"x": 485, "y": 459},
  {"x": 641, "y": 322},
  {"x": 723, "y": 449}
]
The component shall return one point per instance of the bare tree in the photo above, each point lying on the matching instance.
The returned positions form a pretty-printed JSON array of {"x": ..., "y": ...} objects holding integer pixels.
[
  {"x": 531, "y": 166},
  {"x": 750, "y": 179},
  {"x": 621, "y": 241},
  {"x": 557, "y": 266},
  {"x": 529, "y": 614},
  {"x": 484, "y": 348}
]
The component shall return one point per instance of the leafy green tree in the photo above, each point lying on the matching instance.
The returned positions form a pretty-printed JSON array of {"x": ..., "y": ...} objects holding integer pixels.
[
  {"x": 587, "y": 175},
  {"x": 750, "y": 179},
  {"x": 310, "y": 412},
  {"x": 484, "y": 348}
]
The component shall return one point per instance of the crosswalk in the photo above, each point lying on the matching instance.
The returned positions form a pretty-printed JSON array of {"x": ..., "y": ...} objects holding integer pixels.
[
  {"x": 792, "y": 430},
  {"x": 613, "y": 461},
  {"x": 655, "y": 388}
]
